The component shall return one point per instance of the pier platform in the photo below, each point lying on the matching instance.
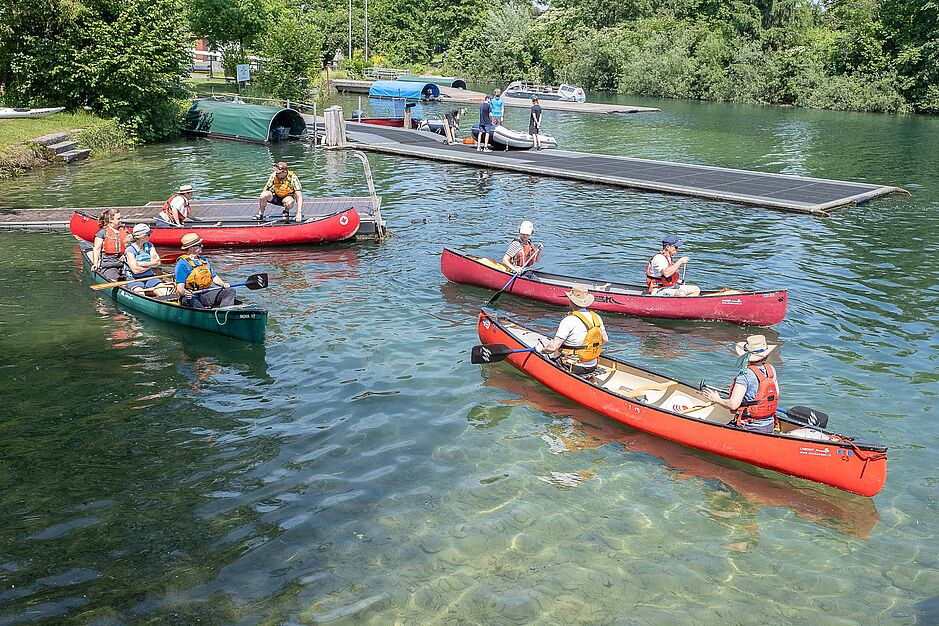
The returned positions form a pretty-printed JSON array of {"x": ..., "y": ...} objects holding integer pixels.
[
  {"x": 466, "y": 96},
  {"x": 777, "y": 191},
  {"x": 208, "y": 211}
]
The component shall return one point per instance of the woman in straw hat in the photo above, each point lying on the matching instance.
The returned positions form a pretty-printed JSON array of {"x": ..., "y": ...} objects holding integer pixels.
[
  {"x": 754, "y": 394},
  {"x": 580, "y": 336},
  {"x": 193, "y": 273}
]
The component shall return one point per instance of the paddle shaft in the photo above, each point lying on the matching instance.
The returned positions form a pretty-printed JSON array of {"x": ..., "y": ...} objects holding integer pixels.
[
  {"x": 196, "y": 293},
  {"x": 100, "y": 286},
  {"x": 511, "y": 280}
]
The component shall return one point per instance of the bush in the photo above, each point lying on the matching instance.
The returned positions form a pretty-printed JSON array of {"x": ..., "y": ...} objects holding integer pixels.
[{"x": 293, "y": 49}]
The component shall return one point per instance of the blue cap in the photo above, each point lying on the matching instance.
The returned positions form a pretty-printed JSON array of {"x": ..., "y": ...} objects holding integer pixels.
[{"x": 671, "y": 240}]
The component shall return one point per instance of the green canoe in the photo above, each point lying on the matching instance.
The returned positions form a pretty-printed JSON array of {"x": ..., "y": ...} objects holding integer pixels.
[{"x": 242, "y": 321}]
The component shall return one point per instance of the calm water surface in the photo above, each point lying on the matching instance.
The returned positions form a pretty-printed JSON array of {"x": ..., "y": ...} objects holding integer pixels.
[{"x": 358, "y": 469}]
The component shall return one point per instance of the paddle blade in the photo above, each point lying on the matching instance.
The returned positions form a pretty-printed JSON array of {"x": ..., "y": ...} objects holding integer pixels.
[
  {"x": 489, "y": 353},
  {"x": 806, "y": 415},
  {"x": 256, "y": 281}
]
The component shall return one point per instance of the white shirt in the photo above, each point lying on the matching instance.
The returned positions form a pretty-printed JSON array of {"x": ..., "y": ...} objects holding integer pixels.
[
  {"x": 659, "y": 265},
  {"x": 181, "y": 205},
  {"x": 573, "y": 332}
]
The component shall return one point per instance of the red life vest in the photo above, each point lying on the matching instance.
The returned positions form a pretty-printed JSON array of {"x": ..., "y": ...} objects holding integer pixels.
[
  {"x": 115, "y": 241},
  {"x": 526, "y": 256},
  {"x": 658, "y": 282},
  {"x": 166, "y": 212},
  {"x": 767, "y": 396}
]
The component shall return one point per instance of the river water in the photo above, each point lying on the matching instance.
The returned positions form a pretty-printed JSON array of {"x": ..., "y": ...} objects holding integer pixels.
[{"x": 356, "y": 468}]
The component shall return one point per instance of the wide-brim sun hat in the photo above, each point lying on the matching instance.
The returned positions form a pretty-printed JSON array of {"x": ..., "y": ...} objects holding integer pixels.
[
  {"x": 185, "y": 189},
  {"x": 579, "y": 295},
  {"x": 190, "y": 240},
  {"x": 755, "y": 347},
  {"x": 140, "y": 230}
]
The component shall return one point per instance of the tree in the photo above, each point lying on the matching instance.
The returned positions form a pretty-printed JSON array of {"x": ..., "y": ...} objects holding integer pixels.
[
  {"x": 229, "y": 26},
  {"x": 293, "y": 52}
]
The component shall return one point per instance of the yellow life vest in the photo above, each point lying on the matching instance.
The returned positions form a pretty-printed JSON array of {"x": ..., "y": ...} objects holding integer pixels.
[
  {"x": 200, "y": 276},
  {"x": 281, "y": 187},
  {"x": 593, "y": 342}
]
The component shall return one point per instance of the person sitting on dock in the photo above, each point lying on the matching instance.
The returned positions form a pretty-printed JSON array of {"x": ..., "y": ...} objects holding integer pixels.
[
  {"x": 193, "y": 273},
  {"x": 663, "y": 276},
  {"x": 485, "y": 126},
  {"x": 522, "y": 252},
  {"x": 283, "y": 189},
  {"x": 497, "y": 105},
  {"x": 754, "y": 394},
  {"x": 534, "y": 123},
  {"x": 580, "y": 336},
  {"x": 107, "y": 255},
  {"x": 141, "y": 257},
  {"x": 176, "y": 209}
]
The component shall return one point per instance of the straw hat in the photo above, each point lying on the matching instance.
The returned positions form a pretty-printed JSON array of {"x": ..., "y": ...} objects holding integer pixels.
[
  {"x": 140, "y": 230},
  {"x": 755, "y": 347},
  {"x": 579, "y": 295},
  {"x": 185, "y": 189},
  {"x": 190, "y": 240}
]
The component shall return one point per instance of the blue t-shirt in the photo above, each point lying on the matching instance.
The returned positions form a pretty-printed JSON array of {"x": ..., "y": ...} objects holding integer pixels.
[
  {"x": 496, "y": 105},
  {"x": 485, "y": 119},
  {"x": 748, "y": 379},
  {"x": 183, "y": 269},
  {"x": 142, "y": 255}
]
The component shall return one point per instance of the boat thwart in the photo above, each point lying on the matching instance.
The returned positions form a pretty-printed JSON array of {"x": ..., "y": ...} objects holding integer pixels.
[
  {"x": 757, "y": 308},
  {"x": 669, "y": 408}
]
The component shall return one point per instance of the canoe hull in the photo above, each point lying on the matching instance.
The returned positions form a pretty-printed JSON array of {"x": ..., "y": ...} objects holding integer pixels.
[
  {"x": 336, "y": 227},
  {"x": 763, "y": 308},
  {"x": 860, "y": 469},
  {"x": 247, "y": 324}
]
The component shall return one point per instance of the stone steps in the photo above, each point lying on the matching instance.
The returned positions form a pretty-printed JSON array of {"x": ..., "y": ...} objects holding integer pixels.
[
  {"x": 75, "y": 155},
  {"x": 52, "y": 138},
  {"x": 63, "y": 147}
]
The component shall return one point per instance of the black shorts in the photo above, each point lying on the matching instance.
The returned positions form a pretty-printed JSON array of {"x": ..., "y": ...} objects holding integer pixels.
[{"x": 276, "y": 199}]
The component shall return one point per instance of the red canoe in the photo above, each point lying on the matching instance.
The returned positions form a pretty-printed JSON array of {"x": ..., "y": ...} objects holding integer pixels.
[
  {"x": 335, "y": 227},
  {"x": 758, "y": 308},
  {"x": 668, "y": 408}
]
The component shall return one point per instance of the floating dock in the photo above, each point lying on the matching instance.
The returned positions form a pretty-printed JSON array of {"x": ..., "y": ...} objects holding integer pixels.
[
  {"x": 797, "y": 194},
  {"x": 208, "y": 211},
  {"x": 465, "y": 96}
]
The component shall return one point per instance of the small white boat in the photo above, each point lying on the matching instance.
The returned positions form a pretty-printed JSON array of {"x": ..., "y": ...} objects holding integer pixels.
[
  {"x": 564, "y": 92},
  {"x": 10, "y": 113},
  {"x": 523, "y": 141}
]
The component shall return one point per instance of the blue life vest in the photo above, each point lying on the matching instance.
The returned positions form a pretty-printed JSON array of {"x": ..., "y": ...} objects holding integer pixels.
[{"x": 141, "y": 256}]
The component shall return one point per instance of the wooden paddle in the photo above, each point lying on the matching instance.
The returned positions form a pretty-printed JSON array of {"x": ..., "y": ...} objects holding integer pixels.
[
  {"x": 493, "y": 352},
  {"x": 253, "y": 282},
  {"x": 100, "y": 286}
]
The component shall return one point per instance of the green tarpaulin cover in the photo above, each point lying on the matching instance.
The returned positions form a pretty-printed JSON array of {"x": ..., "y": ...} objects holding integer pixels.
[{"x": 237, "y": 120}]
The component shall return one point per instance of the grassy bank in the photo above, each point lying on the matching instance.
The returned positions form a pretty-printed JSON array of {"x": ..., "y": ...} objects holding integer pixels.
[{"x": 18, "y": 154}]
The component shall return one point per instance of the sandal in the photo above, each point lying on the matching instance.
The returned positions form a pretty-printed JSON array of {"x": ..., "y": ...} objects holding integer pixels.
[{"x": 258, "y": 217}]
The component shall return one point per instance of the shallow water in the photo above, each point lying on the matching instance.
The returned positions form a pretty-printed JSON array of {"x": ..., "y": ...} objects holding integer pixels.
[{"x": 358, "y": 469}]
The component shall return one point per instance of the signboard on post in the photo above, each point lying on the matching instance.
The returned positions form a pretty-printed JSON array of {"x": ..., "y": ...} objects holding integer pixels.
[{"x": 243, "y": 73}]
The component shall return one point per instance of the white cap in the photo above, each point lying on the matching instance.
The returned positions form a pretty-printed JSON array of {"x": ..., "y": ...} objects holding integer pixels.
[
  {"x": 526, "y": 228},
  {"x": 140, "y": 230}
]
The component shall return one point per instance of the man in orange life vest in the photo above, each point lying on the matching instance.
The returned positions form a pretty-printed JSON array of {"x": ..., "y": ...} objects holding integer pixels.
[
  {"x": 193, "y": 273},
  {"x": 663, "y": 275},
  {"x": 754, "y": 394},
  {"x": 580, "y": 336},
  {"x": 522, "y": 252},
  {"x": 283, "y": 189},
  {"x": 176, "y": 209}
]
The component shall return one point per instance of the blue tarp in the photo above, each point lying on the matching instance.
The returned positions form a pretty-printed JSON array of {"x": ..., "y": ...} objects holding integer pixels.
[{"x": 401, "y": 89}]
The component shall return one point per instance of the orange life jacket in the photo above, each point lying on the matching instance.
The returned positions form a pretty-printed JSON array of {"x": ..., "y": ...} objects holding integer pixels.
[
  {"x": 167, "y": 211},
  {"x": 767, "y": 396},
  {"x": 658, "y": 282},
  {"x": 115, "y": 241},
  {"x": 200, "y": 275},
  {"x": 526, "y": 256},
  {"x": 593, "y": 342}
]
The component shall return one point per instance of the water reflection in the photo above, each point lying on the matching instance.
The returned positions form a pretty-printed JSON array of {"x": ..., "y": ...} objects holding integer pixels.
[{"x": 741, "y": 492}]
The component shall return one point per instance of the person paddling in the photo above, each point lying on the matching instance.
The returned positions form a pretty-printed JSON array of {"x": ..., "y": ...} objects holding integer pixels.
[
  {"x": 580, "y": 336},
  {"x": 107, "y": 255},
  {"x": 522, "y": 253},
  {"x": 663, "y": 274},
  {"x": 176, "y": 210},
  {"x": 754, "y": 394},
  {"x": 141, "y": 257},
  {"x": 193, "y": 273}
]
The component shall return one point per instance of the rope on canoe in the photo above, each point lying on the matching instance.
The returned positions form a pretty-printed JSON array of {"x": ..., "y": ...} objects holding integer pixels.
[
  {"x": 874, "y": 456},
  {"x": 227, "y": 310}
]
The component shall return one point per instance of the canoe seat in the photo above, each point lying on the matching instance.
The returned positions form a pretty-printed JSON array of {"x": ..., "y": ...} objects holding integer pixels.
[{"x": 642, "y": 389}]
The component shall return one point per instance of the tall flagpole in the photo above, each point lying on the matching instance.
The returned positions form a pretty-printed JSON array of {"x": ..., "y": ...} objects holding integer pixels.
[
  {"x": 350, "y": 30},
  {"x": 366, "y": 30}
]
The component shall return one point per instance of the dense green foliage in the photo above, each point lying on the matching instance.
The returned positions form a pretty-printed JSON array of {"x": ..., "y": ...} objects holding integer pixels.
[
  {"x": 121, "y": 58},
  {"x": 293, "y": 47},
  {"x": 877, "y": 55},
  {"x": 229, "y": 26}
]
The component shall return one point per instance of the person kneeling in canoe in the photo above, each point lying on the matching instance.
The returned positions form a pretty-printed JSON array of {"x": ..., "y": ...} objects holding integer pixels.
[
  {"x": 194, "y": 273},
  {"x": 580, "y": 336},
  {"x": 663, "y": 276},
  {"x": 107, "y": 255},
  {"x": 176, "y": 210},
  {"x": 283, "y": 189},
  {"x": 141, "y": 257},
  {"x": 754, "y": 394},
  {"x": 522, "y": 252}
]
